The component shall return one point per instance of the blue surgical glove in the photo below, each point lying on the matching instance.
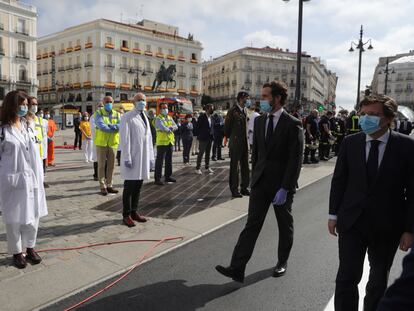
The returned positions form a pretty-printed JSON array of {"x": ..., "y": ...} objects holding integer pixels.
[
  {"x": 128, "y": 164},
  {"x": 115, "y": 127},
  {"x": 280, "y": 197}
]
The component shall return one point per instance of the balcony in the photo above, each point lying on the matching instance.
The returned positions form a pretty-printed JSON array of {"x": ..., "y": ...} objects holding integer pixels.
[
  {"x": 408, "y": 90},
  {"x": 248, "y": 68},
  {"x": 62, "y": 51},
  {"x": 109, "y": 65},
  {"x": 51, "y": 54},
  {"x": 88, "y": 64},
  {"x": 23, "y": 80},
  {"x": 136, "y": 51},
  {"x": 135, "y": 69},
  {"x": 259, "y": 69},
  {"x": 259, "y": 82},
  {"x": 76, "y": 85},
  {"x": 77, "y": 66},
  {"x": 69, "y": 49},
  {"x": 148, "y": 53},
  {"x": 193, "y": 76},
  {"x": 88, "y": 45},
  {"x": 248, "y": 82},
  {"x": 181, "y": 58},
  {"x": 182, "y": 91},
  {"x": 4, "y": 78},
  {"x": 399, "y": 79},
  {"x": 23, "y": 55},
  {"x": 149, "y": 70},
  {"x": 69, "y": 67},
  {"x": 109, "y": 46},
  {"x": 194, "y": 61},
  {"x": 170, "y": 57},
  {"x": 398, "y": 90},
  {"x": 124, "y": 67},
  {"x": 194, "y": 92},
  {"x": 87, "y": 84},
  {"x": 234, "y": 82},
  {"x": 45, "y": 55},
  {"x": 160, "y": 55},
  {"x": 39, "y": 57},
  {"x": 125, "y": 86},
  {"x": 110, "y": 85},
  {"x": 2, "y": 52},
  {"x": 21, "y": 31},
  {"x": 409, "y": 78},
  {"x": 39, "y": 73},
  {"x": 1, "y": 26},
  {"x": 124, "y": 49},
  {"x": 61, "y": 68},
  {"x": 77, "y": 48},
  {"x": 45, "y": 72},
  {"x": 147, "y": 88},
  {"x": 268, "y": 70},
  {"x": 181, "y": 74}
]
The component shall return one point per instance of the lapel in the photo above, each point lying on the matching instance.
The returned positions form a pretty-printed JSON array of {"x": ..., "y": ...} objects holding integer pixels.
[
  {"x": 278, "y": 130},
  {"x": 143, "y": 127},
  {"x": 360, "y": 160},
  {"x": 387, "y": 157}
]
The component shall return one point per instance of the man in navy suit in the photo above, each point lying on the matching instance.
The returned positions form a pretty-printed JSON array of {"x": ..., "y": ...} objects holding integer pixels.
[{"x": 371, "y": 204}]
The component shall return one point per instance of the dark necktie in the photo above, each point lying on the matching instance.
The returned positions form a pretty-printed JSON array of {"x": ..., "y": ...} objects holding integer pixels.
[
  {"x": 269, "y": 131},
  {"x": 372, "y": 163},
  {"x": 143, "y": 118}
]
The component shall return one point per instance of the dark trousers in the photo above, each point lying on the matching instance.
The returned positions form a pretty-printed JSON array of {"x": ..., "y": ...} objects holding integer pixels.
[
  {"x": 353, "y": 244},
  {"x": 338, "y": 143},
  {"x": 203, "y": 148},
  {"x": 259, "y": 203},
  {"x": 218, "y": 142},
  {"x": 118, "y": 157},
  {"x": 239, "y": 162},
  {"x": 78, "y": 139},
  {"x": 177, "y": 142},
  {"x": 163, "y": 152},
  {"x": 311, "y": 153},
  {"x": 130, "y": 196},
  {"x": 186, "y": 149}
]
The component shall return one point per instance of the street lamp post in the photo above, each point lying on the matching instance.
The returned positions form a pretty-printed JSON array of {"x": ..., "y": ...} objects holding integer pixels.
[
  {"x": 360, "y": 45},
  {"x": 297, "y": 102},
  {"x": 387, "y": 72}
]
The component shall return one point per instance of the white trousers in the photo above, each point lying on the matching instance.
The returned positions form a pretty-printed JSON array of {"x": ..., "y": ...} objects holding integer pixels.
[
  {"x": 195, "y": 145},
  {"x": 88, "y": 147},
  {"x": 21, "y": 236}
]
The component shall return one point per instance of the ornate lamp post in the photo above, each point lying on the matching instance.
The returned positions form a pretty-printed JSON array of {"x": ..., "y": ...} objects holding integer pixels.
[{"x": 387, "y": 71}]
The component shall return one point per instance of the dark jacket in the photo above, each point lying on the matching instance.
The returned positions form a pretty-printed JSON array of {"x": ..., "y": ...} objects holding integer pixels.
[
  {"x": 195, "y": 127},
  {"x": 280, "y": 162},
  {"x": 204, "y": 131},
  {"x": 186, "y": 131},
  {"x": 218, "y": 125},
  {"x": 389, "y": 203},
  {"x": 405, "y": 127},
  {"x": 235, "y": 129},
  {"x": 76, "y": 124}
]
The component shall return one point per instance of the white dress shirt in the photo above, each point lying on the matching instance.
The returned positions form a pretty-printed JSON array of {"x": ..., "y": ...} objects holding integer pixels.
[
  {"x": 276, "y": 117},
  {"x": 381, "y": 150}
]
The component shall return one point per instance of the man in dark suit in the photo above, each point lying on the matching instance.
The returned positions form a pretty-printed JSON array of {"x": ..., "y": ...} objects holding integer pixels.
[
  {"x": 205, "y": 137},
  {"x": 399, "y": 296},
  {"x": 235, "y": 131},
  {"x": 276, "y": 163},
  {"x": 371, "y": 203}
]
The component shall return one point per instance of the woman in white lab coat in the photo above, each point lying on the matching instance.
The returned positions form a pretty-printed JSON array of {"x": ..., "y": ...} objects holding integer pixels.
[
  {"x": 137, "y": 157},
  {"x": 22, "y": 195}
]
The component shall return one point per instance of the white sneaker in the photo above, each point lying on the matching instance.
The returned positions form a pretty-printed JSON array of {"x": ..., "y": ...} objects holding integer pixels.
[
  {"x": 199, "y": 172},
  {"x": 210, "y": 171}
]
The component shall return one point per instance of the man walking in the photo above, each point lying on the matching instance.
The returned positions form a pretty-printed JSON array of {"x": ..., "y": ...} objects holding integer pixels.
[
  {"x": 276, "y": 163},
  {"x": 235, "y": 130},
  {"x": 106, "y": 141},
  {"x": 205, "y": 137},
  {"x": 136, "y": 156},
  {"x": 371, "y": 203},
  {"x": 165, "y": 127},
  {"x": 218, "y": 135},
  {"x": 78, "y": 133}
]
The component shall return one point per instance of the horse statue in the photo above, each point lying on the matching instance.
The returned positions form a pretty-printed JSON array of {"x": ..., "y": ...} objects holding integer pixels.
[{"x": 164, "y": 74}]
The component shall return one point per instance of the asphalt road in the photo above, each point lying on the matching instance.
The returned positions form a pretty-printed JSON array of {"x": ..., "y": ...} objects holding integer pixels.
[{"x": 185, "y": 279}]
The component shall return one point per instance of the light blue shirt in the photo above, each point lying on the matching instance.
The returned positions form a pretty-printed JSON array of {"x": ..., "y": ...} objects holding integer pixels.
[
  {"x": 159, "y": 125},
  {"x": 99, "y": 122}
]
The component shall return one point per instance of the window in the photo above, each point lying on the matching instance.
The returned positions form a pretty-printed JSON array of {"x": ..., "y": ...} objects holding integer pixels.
[
  {"x": 78, "y": 60},
  {"x": 70, "y": 79},
  {"x": 89, "y": 39},
  {"x": 21, "y": 48},
  {"x": 136, "y": 63},
  {"x": 180, "y": 69},
  {"x": 108, "y": 39},
  {"x": 70, "y": 61},
  {"x": 109, "y": 76},
  {"x": 124, "y": 78},
  {"x": 160, "y": 50},
  {"x": 89, "y": 57},
  {"x": 170, "y": 51},
  {"x": 70, "y": 44},
  {"x": 181, "y": 54},
  {"x": 109, "y": 58},
  {"x": 78, "y": 42},
  {"x": 124, "y": 97},
  {"x": 77, "y": 78},
  {"x": 21, "y": 25},
  {"x": 88, "y": 76},
  {"x": 62, "y": 46},
  {"x": 124, "y": 61},
  {"x": 148, "y": 65},
  {"x": 148, "y": 48},
  {"x": 136, "y": 45},
  {"x": 124, "y": 43},
  {"x": 193, "y": 71},
  {"x": 181, "y": 84}
]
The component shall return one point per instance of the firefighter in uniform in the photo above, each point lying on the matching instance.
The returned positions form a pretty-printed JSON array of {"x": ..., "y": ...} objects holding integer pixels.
[
  {"x": 311, "y": 137},
  {"x": 325, "y": 129},
  {"x": 352, "y": 123}
]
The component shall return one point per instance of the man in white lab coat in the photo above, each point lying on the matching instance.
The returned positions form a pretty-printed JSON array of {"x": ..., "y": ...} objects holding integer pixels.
[{"x": 137, "y": 157}]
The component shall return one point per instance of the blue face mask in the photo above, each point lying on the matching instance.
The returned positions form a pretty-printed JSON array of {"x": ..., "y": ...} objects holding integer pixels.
[
  {"x": 369, "y": 124},
  {"x": 248, "y": 103},
  {"x": 22, "y": 111},
  {"x": 108, "y": 106},
  {"x": 140, "y": 105},
  {"x": 265, "y": 106}
]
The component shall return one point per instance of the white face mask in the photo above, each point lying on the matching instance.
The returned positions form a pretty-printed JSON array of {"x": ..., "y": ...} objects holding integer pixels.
[
  {"x": 33, "y": 109},
  {"x": 164, "y": 112},
  {"x": 86, "y": 118}
]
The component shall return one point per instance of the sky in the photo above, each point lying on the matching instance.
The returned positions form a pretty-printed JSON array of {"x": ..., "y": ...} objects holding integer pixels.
[{"x": 223, "y": 26}]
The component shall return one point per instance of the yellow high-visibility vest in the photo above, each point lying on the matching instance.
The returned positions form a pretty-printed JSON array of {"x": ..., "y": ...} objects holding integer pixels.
[
  {"x": 164, "y": 138},
  {"x": 102, "y": 138},
  {"x": 39, "y": 133}
]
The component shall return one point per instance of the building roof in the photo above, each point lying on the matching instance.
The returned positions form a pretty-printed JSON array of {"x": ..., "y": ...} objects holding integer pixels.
[{"x": 403, "y": 60}]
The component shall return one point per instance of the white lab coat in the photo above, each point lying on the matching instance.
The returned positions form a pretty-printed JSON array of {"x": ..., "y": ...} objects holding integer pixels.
[
  {"x": 136, "y": 146},
  {"x": 22, "y": 195},
  {"x": 44, "y": 142},
  {"x": 250, "y": 126},
  {"x": 93, "y": 131}
]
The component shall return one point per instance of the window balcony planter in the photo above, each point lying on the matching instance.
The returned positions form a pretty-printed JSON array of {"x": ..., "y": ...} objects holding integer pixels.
[
  {"x": 77, "y": 48},
  {"x": 109, "y": 46},
  {"x": 148, "y": 53},
  {"x": 109, "y": 65},
  {"x": 45, "y": 72},
  {"x": 51, "y": 54},
  {"x": 110, "y": 85},
  {"x": 61, "y": 68},
  {"x": 125, "y": 86},
  {"x": 22, "y": 55},
  {"x": 88, "y": 45},
  {"x": 171, "y": 90},
  {"x": 69, "y": 50},
  {"x": 147, "y": 88},
  {"x": 77, "y": 66},
  {"x": 181, "y": 58},
  {"x": 45, "y": 55},
  {"x": 88, "y": 64},
  {"x": 136, "y": 51},
  {"x": 193, "y": 76},
  {"x": 171, "y": 57},
  {"x": 39, "y": 57},
  {"x": 20, "y": 31},
  {"x": 124, "y": 49},
  {"x": 87, "y": 84},
  {"x": 194, "y": 61},
  {"x": 62, "y": 51},
  {"x": 124, "y": 67},
  {"x": 76, "y": 85},
  {"x": 182, "y": 91},
  {"x": 69, "y": 67},
  {"x": 194, "y": 92},
  {"x": 160, "y": 55}
]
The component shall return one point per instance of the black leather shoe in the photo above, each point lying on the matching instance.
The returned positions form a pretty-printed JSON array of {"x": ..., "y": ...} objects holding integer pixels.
[
  {"x": 170, "y": 179},
  {"x": 19, "y": 261},
  {"x": 236, "y": 195},
  {"x": 32, "y": 256},
  {"x": 279, "y": 270},
  {"x": 245, "y": 192},
  {"x": 159, "y": 183},
  {"x": 314, "y": 161},
  {"x": 232, "y": 273}
]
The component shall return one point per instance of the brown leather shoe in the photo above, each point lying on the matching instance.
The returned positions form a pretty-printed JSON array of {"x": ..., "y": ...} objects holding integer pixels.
[
  {"x": 19, "y": 261},
  {"x": 128, "y": 222},
  {"x": 135, "y": 216},
  {"x": 104, "y": 192},
  {"x": 111, "y": 190},
  {"x": 32, "y": 256}
]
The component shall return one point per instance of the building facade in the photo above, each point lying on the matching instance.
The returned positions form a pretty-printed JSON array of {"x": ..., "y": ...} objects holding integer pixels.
[
  {"x": 400, "y": 78},
  {"x": 18, "y": 29},
  {"x": 82, "y": 64},
  {"x": 249, "y": 68}
]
